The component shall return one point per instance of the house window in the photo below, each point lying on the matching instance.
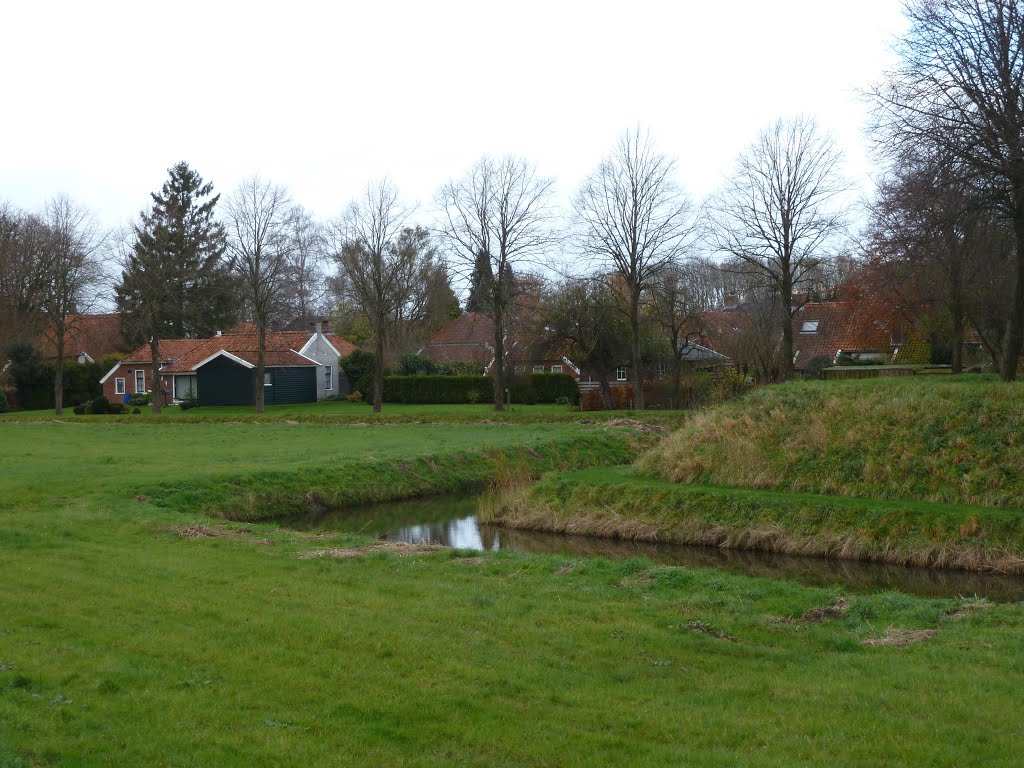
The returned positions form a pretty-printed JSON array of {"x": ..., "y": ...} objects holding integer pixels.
[
  {"x": 538, "y": 369},
  {"x": 809, "y": 326},
  {"x": 328, "y": 377},
  {"x": 140, "y": 382},
  {"x": 556, "y": 369},
  {"x": 659, "y": 369},
  {"x": 620, "y": 373},
  {"x": 266, "y": 380},
  {"x": 185, "y": 388},
  {"x": 119, "y": 386}
]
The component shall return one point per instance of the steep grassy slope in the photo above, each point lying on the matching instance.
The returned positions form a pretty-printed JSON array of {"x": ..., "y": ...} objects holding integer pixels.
[{"x": 955, "y": 441}]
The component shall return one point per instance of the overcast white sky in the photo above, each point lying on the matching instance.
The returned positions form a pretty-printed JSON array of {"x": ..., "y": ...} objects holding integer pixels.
[{"x": 101, "y": 98}]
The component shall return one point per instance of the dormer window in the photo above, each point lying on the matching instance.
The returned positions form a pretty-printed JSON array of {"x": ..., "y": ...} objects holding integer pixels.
[{"x": 809, "y": 326}]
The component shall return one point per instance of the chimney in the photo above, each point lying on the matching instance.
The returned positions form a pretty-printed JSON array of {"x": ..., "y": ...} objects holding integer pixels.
[
  {"x": 218, "y": 333},
  {"x": 327, "y": 325},
  {"x": 318, "y": 326}
]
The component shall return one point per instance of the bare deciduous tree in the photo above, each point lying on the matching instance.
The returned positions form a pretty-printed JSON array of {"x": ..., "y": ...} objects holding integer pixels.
[
  {"x": 73, "y": 243},
  {"x": 496, "y": 219},
  {"x": 781, "y": 213},
  {"x": 635, "y": 221},
  {"x": 675, "y": 306},
  {"x": 382, "y": 265},
  {"x": 959, "y": 86},
  {"x": 23, "y": 276},
  {"x": 260, "y": 243},
  {"x": 307, "y": 284}
]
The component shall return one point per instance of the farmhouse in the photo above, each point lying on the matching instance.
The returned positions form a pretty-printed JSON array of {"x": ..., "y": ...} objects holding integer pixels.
[
  {"x": 87, "y": 338},
  {"x": 301, "y": 367}
]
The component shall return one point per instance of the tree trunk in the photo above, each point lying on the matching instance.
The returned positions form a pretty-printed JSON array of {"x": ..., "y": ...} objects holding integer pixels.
[
  {"x": 499, "y": 358},
  {"x": 606, "y": 390},
  {"x": 378, "y": 370},
  {"x": 261, "y": 366},
  {"x": 1015, "y": 321},
  {"x": 58, "y": 378},
  {"x": 638, "y": 374},
  {"x": 154, "y": 361},
  {"x": 786, "y": 299},
  {"x": 956, "y": 316}
]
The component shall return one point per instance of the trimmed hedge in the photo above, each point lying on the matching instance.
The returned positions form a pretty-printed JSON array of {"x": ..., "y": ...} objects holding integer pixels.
[{"x": 534, "y": 388}]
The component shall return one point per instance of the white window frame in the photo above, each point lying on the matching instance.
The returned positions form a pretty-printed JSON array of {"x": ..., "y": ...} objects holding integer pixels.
[
  {"x": 119, "y": 386},
  {"x": 268, "y": 380},
  {"x": 328, "y": 378},
  {"x": 621, "y": 374},
  {"x": 810, "y": 326},
  {"x": 556, "y": 369},
  {"x": 538, "y": 369},
  {"x": 174, "y": 386},
  {"x": 140, "y": 389},
  {"x": 660, "y": 369}
]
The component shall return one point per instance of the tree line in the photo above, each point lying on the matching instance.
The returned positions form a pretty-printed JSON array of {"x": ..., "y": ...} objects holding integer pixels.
[{"x": 636, "y": 260}]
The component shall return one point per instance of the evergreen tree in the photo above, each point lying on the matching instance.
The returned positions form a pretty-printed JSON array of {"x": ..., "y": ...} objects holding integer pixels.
[
  {"x": 176, "y": 282},
  {"x": 480, "y": 282}
]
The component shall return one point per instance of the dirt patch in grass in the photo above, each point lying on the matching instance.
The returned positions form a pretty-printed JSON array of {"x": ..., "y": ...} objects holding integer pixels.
[
  {"x": 639, "y": 426},
  {"x": 401, "y": 548},
  {"x": 565, "y": 570},
  {"x": 200, "y": 531},
  {"x": 835, "y": 611},
  {"x": 703, "y": 628},
  {"x": 471, "y": 560},
  {"x": 967, "y": 608},
  {"x": 896, "y": 637}
]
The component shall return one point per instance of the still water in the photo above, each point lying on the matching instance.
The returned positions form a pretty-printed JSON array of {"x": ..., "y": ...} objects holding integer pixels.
[{"x": 451, "y": 520}]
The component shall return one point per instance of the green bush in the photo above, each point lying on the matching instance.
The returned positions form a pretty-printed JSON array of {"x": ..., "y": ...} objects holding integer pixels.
[
  {"x": 534, "y": 388},
  {"x": 4, "y": 407},
  {"x": 116, "y": 408},
  {"x": 358, "y": 366},
  {"x": 83, "y": 408},
  {"x": 437, "y": 389},
  {"x": 136, "y": 411},
  {"x": 99, "y": 405},
  {"x": 142, "y": 398}
]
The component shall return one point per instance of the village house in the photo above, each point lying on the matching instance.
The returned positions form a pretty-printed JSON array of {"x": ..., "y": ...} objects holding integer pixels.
[
  {"x": 87, "y": 338},
  {"x": 301, "y": 367}
]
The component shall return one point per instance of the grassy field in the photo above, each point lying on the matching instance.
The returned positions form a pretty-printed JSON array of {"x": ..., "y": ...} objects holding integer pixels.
[
  {"x": 135, "y": 630},
  {"x": 344, "y": 412}
]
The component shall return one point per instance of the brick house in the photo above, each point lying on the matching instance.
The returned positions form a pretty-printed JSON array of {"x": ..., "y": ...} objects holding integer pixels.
[
  {"x": 300, "y": 367},
  {"x": 87, "y": 338}
]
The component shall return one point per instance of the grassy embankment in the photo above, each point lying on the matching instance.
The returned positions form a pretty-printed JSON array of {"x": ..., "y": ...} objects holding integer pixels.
[
  {"x": 133, "y": 633},
  {"x": 912, "y": 471}
]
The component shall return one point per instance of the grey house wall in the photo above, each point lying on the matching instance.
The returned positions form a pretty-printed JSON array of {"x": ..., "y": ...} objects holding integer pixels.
[{"x": 318, "y": 349}]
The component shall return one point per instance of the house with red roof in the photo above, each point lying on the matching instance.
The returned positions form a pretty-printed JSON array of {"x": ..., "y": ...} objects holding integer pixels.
[
  {"x": 87, "y": 338},
  {"x": 822, "y": 331},
  {"x": 469, "y": 338},
  {"x": 301, "y": 367}
]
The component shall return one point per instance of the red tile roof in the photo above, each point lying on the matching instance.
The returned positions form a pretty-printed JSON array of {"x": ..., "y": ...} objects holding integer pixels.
[
  {"x": 98, "y": 336},
  {"x": 467, "y": 338},
  {"x": 841, "y": 325}
]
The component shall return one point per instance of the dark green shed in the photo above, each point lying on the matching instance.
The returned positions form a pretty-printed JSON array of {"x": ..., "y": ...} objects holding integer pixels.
[{"x": 222, "y": 381}]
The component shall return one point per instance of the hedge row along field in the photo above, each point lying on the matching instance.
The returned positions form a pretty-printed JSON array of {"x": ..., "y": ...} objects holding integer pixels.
[{"x": 530, "y": 389}]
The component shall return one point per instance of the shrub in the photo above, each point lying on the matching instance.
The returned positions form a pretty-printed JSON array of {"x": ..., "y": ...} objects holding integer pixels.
[
  {"x": 415, "y": 365},
  {"x": 136, "y": 410},
  {"x": 563, "y": 400},
  {"x": 142, "y": 398},
  {"x": 622, "y": 396},
  {"x": 543, "y": 388},
  {"x": 355, "y": 396},
  {"x": 186, "y": 404},
  {"x": 437, "y": 389},
  {"x": 730, "y": 385},
  {"x": 83, "y": 408},
  {"x": 358, "y": 366},
  {"x": 99, "y": 405},
  {"x": 591, "y": 400},
  {"x": 116, "y": 408}
]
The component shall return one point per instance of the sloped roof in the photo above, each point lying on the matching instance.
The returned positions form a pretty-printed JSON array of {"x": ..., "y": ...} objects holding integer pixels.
[
  {"x": 841, "y": 325},
  {"x": 170, "y": 350},
  {"x": 97, "y": 335},
  {"x": 470, "y": 328}
]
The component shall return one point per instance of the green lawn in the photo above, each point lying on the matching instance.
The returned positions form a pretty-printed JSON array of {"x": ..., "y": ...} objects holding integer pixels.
[
  {"x": 342, "y": 411},
  {"x": 124, "y": 643}
]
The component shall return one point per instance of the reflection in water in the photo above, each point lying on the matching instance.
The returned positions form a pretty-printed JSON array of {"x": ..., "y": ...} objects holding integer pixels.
[{"x": 452, "y": 521}]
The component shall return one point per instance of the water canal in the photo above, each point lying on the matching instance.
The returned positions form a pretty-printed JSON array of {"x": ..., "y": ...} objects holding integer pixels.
[{"x": 451, "y": 521}]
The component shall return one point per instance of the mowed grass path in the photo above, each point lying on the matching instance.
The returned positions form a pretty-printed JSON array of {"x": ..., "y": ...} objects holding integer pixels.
[{"x": 122, "y": 643}]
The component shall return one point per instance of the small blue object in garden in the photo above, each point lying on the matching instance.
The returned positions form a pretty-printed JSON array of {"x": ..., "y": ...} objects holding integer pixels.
[{"x": 127, "y": 399}]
